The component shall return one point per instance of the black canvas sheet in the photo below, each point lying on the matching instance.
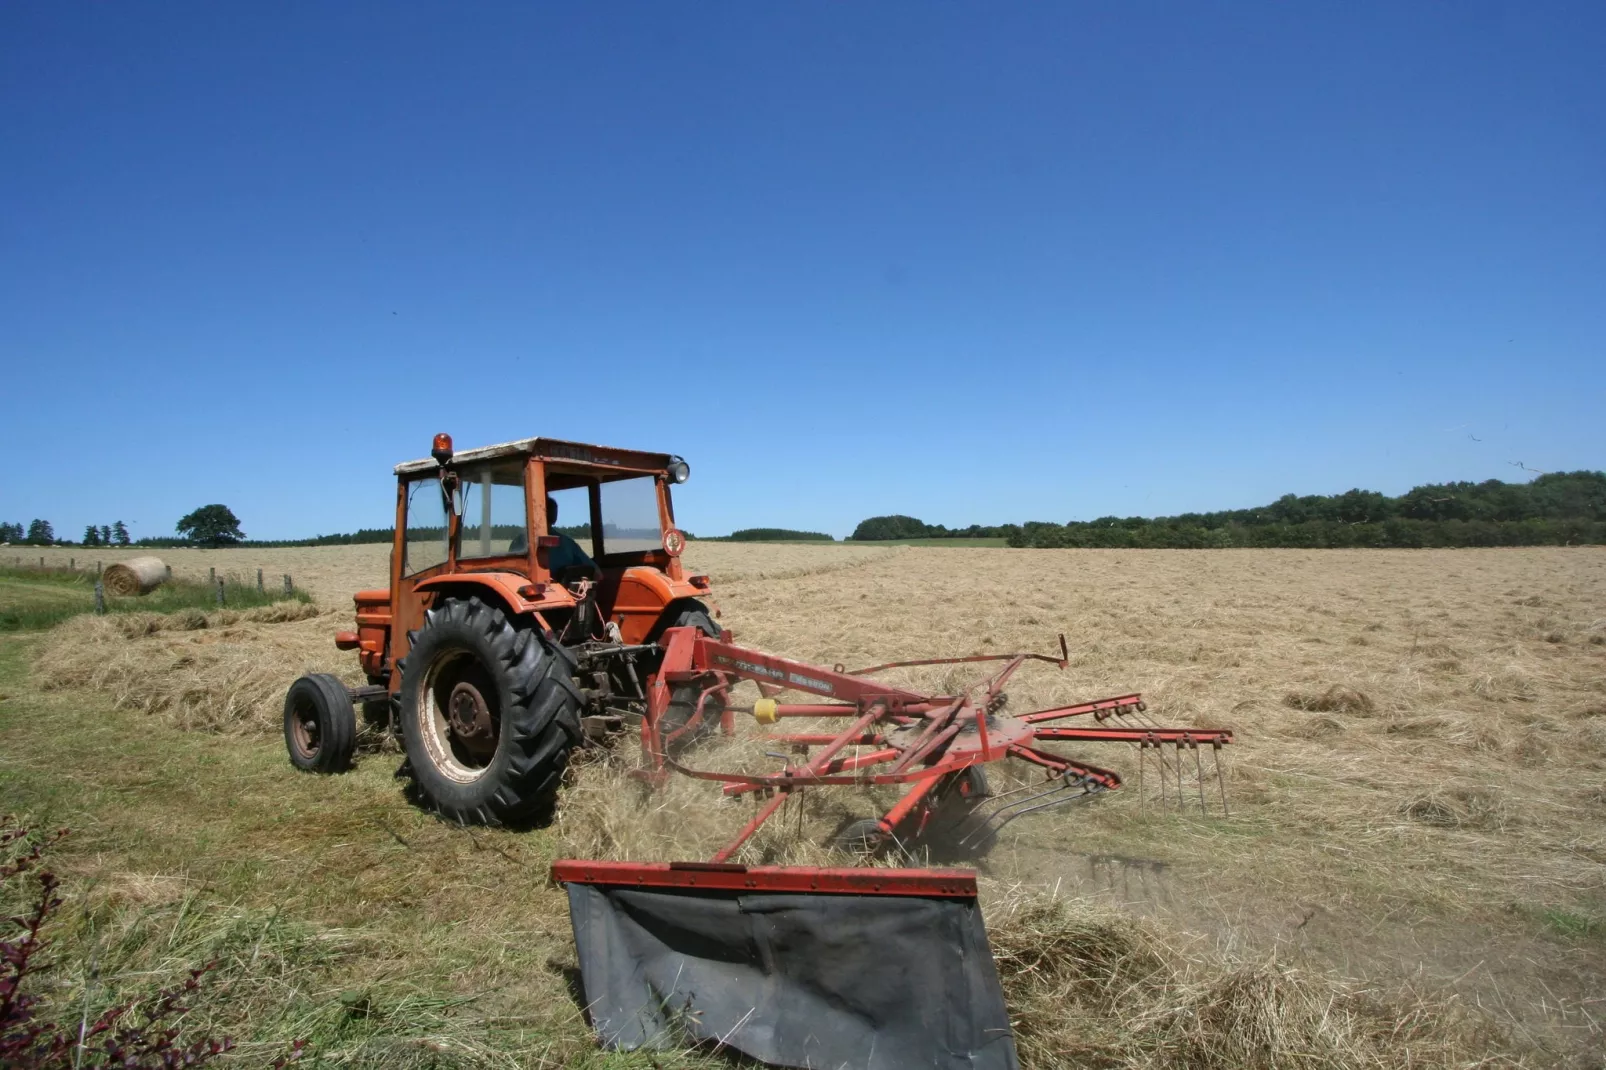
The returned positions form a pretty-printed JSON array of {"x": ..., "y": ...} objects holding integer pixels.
[{"x": 821, "y": 981}]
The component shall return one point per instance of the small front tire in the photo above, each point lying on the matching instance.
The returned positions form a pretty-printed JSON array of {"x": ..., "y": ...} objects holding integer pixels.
[{"x": 320, "y": 727}]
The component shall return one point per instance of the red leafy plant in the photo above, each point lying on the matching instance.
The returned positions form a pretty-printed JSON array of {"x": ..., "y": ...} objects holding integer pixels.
[{"x": 134, "y": 1035}]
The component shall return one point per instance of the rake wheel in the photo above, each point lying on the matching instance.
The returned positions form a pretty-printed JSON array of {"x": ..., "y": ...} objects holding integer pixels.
[{"x": 683, "y": 699}]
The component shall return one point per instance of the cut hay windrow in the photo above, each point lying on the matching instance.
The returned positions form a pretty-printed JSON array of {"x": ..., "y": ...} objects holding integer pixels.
[
  {"x": 223, "y": 671},
  {"x": 1089, "y": 987}
]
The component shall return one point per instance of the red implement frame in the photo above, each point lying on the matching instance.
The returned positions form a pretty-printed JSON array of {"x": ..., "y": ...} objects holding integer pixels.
[
  {"x": 708, "y": 876},
  {"x": 913, "y": 739}
]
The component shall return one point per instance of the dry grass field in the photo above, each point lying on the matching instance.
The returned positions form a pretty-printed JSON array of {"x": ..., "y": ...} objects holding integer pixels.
[{"x": 1417, "y": 828}]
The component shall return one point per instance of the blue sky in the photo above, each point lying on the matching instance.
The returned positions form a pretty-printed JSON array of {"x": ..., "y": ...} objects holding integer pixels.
[{"x": 975, "y": 263}]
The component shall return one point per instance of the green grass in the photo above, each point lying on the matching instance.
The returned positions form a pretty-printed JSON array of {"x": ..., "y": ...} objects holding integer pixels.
[
  {"x": 1569, "y": 924},
  {"x": 337, "y": 912},
  {"x": 33, "y": 599}
]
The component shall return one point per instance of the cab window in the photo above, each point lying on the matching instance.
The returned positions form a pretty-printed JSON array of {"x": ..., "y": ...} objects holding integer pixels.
[
  {"x": 492, "y": 497},
  {"x": 630, "y": 516},
  {"x": 425, "y": 545}
]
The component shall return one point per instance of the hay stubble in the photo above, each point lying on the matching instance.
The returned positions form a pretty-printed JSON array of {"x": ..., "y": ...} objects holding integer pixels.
[{"x": 1420, "y": 768}]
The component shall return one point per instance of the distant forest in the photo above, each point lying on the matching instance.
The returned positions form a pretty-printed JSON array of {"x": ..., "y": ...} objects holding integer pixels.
[{"x": 1555, "y": 509}]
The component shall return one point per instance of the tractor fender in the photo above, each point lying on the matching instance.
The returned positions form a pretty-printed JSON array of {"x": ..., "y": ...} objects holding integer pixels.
[
  {"x": 645, "y": 599},
  {"x": 671, "y": 615},
  {"x": 501, "y": 589}
]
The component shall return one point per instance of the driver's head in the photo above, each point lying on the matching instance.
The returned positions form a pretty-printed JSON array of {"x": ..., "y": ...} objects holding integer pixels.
[{"x": 551, "y": 511}]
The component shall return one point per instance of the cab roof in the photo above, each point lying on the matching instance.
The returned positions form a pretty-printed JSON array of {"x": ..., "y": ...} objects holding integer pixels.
[{"x": 569, "y": 454}]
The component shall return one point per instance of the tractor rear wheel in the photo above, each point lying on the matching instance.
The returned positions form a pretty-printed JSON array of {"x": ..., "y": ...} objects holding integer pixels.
[
  {"x": 489, "y": 711},
  {"x": 320, "y": 729}
]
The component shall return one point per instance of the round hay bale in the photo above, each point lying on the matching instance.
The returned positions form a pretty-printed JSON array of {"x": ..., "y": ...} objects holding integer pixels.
[{"x": 139, "y": 575}]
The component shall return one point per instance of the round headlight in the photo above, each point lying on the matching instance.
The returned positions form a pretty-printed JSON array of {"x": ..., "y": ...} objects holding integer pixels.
[{"x": 679, "y": 470}]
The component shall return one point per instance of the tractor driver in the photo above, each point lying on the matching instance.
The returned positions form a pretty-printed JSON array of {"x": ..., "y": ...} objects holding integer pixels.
[{"x": 565, "y": 555}]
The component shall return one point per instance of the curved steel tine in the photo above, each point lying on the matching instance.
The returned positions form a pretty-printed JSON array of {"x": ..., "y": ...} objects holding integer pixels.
[
  {"x": 1087, "y": 793},
  {"x": 1003, "y": 815}
]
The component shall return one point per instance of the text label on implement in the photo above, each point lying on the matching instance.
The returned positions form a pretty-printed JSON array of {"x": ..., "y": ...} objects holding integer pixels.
[{"x": 793, "y": 678}]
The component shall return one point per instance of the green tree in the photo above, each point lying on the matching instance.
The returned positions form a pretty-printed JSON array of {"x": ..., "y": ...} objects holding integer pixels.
[
  {"x": 91, "y": 535},
  {"x": 105, "y": 535},
  {"x": 40, "y": 533},
  {"x": 896, "y": 526},
  {"x": 119, "y": 534},
  {"x": 211, "y": 525},
  {"x": 11, "y": 532}
]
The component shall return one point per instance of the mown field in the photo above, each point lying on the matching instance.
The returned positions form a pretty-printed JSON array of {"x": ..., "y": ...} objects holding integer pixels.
[{"x": 1413, "y": 872}]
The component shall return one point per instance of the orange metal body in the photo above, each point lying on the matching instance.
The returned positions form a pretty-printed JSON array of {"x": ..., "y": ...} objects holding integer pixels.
[{"x": 634, "y": 590}]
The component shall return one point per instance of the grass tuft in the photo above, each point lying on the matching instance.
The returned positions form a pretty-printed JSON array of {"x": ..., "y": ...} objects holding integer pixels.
[{"x": 1336, "y": 699}]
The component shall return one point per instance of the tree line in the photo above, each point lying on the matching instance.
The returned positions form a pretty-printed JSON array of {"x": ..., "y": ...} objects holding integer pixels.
[
  {"x": 42, "y": 533},
  {"x": 1557, "y": 508},
  {"x": 210, "y": 525}
]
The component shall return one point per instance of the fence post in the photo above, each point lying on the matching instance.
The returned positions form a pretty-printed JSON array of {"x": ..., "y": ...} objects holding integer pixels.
[
  {"x": 100, "y": 598},
  {"x": 41, "y": 560},
  {"x": 260, "y": 588},
  {"x": 97, "y": 568},
  {"x": 72, "y": 564},
  {"x": 288, "y": 589},
  {"x": 211, "y": 574},
  {"x": 219, "y": 591},
  {"x": 169, "y": 571}
]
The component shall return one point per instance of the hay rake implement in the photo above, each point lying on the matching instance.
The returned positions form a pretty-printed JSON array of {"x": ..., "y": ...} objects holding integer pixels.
[
  {"x": 808, "y": 966},
  {"x": 931, "y": 745}
]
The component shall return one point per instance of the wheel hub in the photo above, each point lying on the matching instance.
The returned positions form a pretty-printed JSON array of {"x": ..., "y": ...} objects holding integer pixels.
[{"x": 470, "y": 720}]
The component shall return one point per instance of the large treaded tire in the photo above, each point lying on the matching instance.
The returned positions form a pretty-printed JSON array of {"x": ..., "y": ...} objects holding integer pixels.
[
  {"x": 531, "y": 698},
  {"x": 683, "y": 698},
  {"x": 320, "y": 729}
]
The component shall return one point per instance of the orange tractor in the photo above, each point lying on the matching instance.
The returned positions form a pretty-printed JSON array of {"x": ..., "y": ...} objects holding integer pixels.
[{"x": 502, "y": 643}]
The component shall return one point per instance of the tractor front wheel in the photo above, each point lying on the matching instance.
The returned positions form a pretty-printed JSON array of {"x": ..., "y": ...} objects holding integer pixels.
[
  {"x": 320, "y": 729},
  {"x": 489, "y": 711}
]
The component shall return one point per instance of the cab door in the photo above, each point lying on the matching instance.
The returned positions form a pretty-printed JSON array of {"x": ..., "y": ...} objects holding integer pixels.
[{"x": 422, "y": 550}]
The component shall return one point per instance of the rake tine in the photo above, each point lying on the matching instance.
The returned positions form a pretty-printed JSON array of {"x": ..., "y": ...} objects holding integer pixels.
[
  {"x": 1181, "y": 802},
  {"x": 1019, "y": 807},
  {"x": 1087, "y": 792},
  {"x": 1221, "y": 781},
  {"x": 1141, "y": 764},
  {"x": 1198, "y": 765}
]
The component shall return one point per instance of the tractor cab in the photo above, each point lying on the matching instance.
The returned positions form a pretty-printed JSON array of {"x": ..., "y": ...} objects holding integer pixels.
[{"x": 504, "y": 522}]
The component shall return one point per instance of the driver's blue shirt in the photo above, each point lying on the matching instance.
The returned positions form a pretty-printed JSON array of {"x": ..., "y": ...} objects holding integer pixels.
[{"x": 567, "y": 554}]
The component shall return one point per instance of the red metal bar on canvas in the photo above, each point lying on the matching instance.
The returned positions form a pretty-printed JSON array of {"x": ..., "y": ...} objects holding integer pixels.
[{"x": 710, "y": 876}]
